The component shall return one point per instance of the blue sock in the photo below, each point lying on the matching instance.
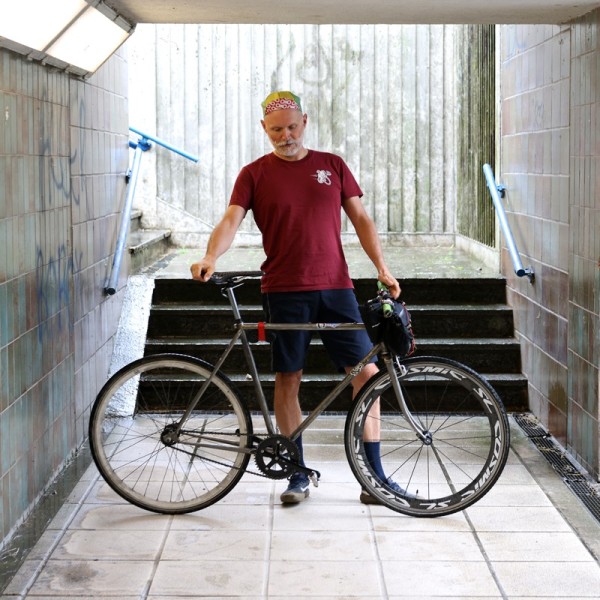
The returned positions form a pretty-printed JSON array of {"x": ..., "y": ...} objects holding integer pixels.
[
  {"x": 298, "y": 441},
  {"x": 373, "y": 452}
]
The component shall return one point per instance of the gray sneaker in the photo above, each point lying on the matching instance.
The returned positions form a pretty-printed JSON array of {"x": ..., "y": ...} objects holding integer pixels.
[
  {"x": 297, "y": 490},
  {"x": 366, "y": 498}
]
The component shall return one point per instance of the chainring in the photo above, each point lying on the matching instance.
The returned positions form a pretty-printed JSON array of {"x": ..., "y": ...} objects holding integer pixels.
[{"x": 276, "y": 456}]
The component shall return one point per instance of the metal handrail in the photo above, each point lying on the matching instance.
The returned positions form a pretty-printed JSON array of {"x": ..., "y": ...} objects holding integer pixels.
[
  {"x": 142, "y": 145},
  {"x": 495, "y": 191}
]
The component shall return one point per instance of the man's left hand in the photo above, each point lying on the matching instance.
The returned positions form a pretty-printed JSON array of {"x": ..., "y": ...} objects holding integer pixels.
[{"x": 391, "y": 283}]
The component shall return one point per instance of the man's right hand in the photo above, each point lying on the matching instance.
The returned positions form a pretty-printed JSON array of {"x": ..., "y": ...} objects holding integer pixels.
[{"x": 203, "y": 269}]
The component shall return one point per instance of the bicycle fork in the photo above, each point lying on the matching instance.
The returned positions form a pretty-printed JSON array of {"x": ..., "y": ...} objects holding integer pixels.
[{"x": 391, "y": 362}]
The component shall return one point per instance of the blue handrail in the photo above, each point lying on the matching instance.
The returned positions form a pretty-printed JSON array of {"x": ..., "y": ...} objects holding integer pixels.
[
  {"x": 495, "y": 190},
  {"x": 146, "y": 137},
  {"x": 141, "y": 146}
]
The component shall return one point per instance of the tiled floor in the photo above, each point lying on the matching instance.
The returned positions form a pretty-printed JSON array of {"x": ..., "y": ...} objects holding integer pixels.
[{"x": 528, "y": 538}]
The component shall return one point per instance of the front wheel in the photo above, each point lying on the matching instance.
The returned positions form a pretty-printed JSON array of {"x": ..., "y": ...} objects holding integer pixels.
[
  {"x": 154, "y": 457},
  {"x": 464, "y": 448}
]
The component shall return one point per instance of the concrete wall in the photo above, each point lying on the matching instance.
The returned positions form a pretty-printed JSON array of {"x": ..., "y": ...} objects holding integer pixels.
[
  {"x": 381, "y": 96},
  {"x": 63, "y": 157},
  {"x": 550, "y": 163}
]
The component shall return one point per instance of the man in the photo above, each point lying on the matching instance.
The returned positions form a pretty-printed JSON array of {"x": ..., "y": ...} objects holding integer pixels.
[{"x": 296, "y": 195}]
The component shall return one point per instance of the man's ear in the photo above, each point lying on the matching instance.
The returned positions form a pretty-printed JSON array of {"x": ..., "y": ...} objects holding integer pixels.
[{"x": 263, "y": 126}]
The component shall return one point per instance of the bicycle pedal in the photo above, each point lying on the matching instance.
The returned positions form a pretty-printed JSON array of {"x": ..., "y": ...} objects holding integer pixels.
[{"x": 314, "y": 477}]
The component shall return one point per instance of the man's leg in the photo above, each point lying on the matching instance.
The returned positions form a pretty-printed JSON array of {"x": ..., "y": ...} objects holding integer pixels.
[
  {"x": 287, "y": 406},
  {"x": 372, "y": 431},
  {"x": 288, "y": 416}
]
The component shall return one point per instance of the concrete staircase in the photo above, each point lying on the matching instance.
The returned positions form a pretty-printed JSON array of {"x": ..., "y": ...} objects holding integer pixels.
[
  {"x": 145, "y": 245},
  {"x": 464, "y": 319}
]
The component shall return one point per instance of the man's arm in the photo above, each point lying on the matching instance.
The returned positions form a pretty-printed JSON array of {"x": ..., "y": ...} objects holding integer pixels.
[
  {"x": 369, "y": 240},
  {"x": 219, "y": 242}
]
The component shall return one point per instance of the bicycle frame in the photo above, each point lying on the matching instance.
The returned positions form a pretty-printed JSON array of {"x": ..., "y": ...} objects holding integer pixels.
[{"x": 242, "y": 327}]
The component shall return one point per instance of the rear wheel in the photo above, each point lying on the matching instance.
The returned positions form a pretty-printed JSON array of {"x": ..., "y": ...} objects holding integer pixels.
[
  {"x": 460, "y": 457},
  {"x": 148, "y": 455}
]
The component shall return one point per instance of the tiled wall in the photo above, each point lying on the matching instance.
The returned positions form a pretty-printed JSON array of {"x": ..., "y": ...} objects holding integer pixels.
[
  {"x": 549, "y": 163},
  {"x": 63, "y": 156},
  {"x": 584, "y": 245},
  {"x": 99, "y": 160}
]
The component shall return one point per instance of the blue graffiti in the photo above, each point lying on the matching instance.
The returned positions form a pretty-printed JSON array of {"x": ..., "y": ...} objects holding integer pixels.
[
  {"x": 54, "y": 176},
  {"x": 54, "y": 277}
]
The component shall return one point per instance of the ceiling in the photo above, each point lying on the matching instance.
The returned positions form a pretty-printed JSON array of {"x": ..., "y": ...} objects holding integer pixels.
[{"x": 351, "y": 11}]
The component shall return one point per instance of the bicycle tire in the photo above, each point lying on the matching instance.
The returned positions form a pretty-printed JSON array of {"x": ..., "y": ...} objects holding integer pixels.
[
  {"x": 470, "y": 437},
  {"x": 135, "y": 451}
]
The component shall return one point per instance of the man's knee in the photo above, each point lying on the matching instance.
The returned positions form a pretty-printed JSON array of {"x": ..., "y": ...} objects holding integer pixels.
[
  {"x": 367, "y": 372},
  {"x": 288, "y": 382}
]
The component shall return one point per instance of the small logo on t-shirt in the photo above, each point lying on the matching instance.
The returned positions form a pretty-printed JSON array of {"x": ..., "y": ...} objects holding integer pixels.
[{"x": 322, "y": 176}]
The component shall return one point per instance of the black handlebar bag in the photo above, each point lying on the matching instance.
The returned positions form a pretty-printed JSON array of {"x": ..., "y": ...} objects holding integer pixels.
[{"x": 391, "y": 325}]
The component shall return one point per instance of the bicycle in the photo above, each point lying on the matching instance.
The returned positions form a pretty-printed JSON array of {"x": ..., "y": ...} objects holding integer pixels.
[{"x": 171, "y": 434}]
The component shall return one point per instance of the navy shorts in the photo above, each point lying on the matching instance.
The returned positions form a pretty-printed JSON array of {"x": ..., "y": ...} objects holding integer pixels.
[{"x": 289, "y": 348}]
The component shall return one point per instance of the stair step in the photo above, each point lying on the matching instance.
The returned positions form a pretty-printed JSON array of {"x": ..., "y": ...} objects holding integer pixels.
[
  {"x": 146, "y": 246},
  {"x": 135, "y": 218},
  {"x": 512, "y": 389},
  {"x": 414, "y": 291},
  {"x": 144, "y": 238},
  {"x": 472, "y": 321},
  {"x": 493, "y": 355}
]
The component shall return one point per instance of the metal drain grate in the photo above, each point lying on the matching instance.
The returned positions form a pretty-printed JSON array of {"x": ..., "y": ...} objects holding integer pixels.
[{"x": 580, "y": 484}]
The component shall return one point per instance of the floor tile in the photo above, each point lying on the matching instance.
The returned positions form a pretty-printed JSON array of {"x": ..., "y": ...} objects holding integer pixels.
[
  {"x": 385, "y": 519},
  {"x": 515, "y": 495},
  {"x": 535, "y": 579},
  {"x": 450, "y": 579},
  {"x": 441, "y": 596},
  {"x": 250, "y": 493},
  {"x": 102, "y": 493},
  {"x": 524, "y": 518},
  {"x": 119, "y": 516},
  {"x": 425, "y": 545},
  {"x": 335, "y": 578},
  {"x": 85, "y": 544},
  {"x": 225, "y": 517},
  {"x": 515, "y": 474},
  {"x": 534, "y": 546},
  {"x": 203, "y": 597},
  {"x": 202, "y": 578},
  {"x": 92, "y": 578},
  {"x": 335, "y": 493},
  {"x": 216, "y": 545},
  {"x": 321, "y": 546},
  {"x": 73, "y": 597},
  {"x": 320, "y": 517}
]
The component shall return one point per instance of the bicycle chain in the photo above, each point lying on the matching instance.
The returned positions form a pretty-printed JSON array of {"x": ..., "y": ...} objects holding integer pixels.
[
  {"x": 313, "y": 474},
  {"x": 222, "y": 464}
]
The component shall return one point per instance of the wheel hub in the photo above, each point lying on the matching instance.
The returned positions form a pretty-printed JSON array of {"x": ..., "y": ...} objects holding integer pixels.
[
  {"x": 169, "y": 436},
  {"x": 426, "y": 437}
]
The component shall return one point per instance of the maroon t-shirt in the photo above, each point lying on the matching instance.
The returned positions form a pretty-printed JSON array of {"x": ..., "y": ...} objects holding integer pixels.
[{"x": 297, "y": 207}]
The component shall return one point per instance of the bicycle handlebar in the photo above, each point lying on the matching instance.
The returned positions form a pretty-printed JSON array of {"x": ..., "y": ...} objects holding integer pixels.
[{"x": 387, "y": 302}]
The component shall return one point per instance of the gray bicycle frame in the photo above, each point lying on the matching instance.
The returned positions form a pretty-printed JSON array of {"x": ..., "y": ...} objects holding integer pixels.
[{"x": 240, "y": 335}]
